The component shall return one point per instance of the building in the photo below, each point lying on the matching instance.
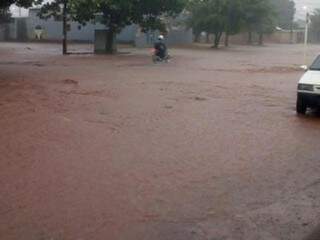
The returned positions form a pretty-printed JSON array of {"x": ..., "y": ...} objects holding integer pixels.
[{"x": 27, "y": 29}]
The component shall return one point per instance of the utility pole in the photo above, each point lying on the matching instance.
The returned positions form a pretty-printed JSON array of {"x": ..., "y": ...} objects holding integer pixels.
[
  {"x": 65, "y": 27},
  {"x": 306, "y": 33},
  {"x": 291, "y": 32}
]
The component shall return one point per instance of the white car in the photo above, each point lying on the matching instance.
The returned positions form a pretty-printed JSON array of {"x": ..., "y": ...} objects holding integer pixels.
[{"x": 309, "y": 88}]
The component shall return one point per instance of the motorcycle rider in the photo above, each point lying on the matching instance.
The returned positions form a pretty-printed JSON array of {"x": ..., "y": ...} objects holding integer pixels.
[{"x": 160, "y": 47}]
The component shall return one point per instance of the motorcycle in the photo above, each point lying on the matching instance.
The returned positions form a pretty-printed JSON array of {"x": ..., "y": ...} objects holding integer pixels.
[{"x": 157, "y": 59}]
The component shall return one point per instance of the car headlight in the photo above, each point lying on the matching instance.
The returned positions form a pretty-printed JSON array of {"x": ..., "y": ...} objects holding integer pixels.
[{"x": 306, "y": 87}]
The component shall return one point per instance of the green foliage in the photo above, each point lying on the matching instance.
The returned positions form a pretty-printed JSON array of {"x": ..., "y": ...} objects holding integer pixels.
[
  {"x": 230, "y": 16},
  {"x": 52, "y": 9},
  {"x": 215, "y": 17},
  {"x": 285, "y": 11},
  {"x": 21, "y": 3},
  {"x": 196, "y": 19},
  {"x": 234, "y": 20},
  {"x": 315, "y": 21},
  {"x": 116, "y": 14},
  {"x": 259, "y": 16},
  {"x": 5, "y": 4},
  {"x": 5, "y": 15}
]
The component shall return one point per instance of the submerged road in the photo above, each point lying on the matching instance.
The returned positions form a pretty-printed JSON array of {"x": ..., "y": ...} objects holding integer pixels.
[{"x": 207, "y": 147}]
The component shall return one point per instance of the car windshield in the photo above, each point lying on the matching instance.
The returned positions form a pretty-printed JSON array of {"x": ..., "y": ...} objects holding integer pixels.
[{"x": 316, "y": 64}]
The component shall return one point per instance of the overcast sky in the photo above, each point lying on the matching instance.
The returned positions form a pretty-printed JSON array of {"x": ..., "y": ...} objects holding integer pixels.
[{"x": 312, "y": 4}]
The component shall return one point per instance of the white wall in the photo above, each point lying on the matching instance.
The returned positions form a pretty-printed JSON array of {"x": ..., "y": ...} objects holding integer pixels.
[
  {"x": 130, "y": 34},
  {"x": 53, "y": 29}
]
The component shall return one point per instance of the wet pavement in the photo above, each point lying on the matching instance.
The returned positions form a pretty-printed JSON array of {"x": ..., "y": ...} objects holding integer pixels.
[{"x": 207, "y": 147}]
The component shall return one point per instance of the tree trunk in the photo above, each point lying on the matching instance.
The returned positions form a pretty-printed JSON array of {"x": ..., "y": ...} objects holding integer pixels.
[
  {"x": 111, "y": 45},
  {"x": 260, "y": 39},
  {"x": 217, "y": 37},
  {"x": 208, "y": 38},
  {"x": 250, "y": 37},
  {"x": 6, "y": 32},
  {"x": 196, "y": 37},
  {"x": 291, "y": 32},
  {"x": 64, "y": 27},
  {"x": 226, "y": 40}
]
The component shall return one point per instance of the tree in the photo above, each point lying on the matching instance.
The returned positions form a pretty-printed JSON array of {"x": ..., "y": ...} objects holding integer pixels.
[
  {"x": 266, "y": 25},
  {"x": 230, "y": 16},
  {"x": 315, "y": 23},
  {"x": 285, "y": 11},
  {"x": 259, "y": 17},
  {"x": 216, "y": 19},
  {"x": 116, "y": 14},
  {"x": 234, "y": 19},
  {"x": 315, "y": 20},
  {"x": 194, "y": 21},
  {"x": 4, "y": 4},
  {"x": 59, "y": 9},
  {"x": 4, "y": 15},
  {"x": 209, "y": 16}
]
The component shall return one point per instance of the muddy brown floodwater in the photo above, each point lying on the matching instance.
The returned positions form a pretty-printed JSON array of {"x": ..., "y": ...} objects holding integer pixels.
[{"x": 207, "y": 147}]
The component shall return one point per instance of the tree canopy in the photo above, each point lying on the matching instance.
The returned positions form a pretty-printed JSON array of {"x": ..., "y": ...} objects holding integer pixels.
[
  {"x": 231, "y": 16},
  {"x": 4, "y": 15},
  {"x": 214, "y": 17},
  {"x": 22, "y": 3},
  {"x": 315, "y": 21},
  {"x": 259, "y": 17},
  {"x": 116, "y": 14},
  {"x": 285, "y": 11}
]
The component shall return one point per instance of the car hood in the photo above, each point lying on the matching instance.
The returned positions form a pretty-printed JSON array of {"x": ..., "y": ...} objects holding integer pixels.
[{"x": 311, "y": 77}]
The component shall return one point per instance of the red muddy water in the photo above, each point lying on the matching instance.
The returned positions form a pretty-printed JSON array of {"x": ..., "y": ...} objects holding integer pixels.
[{"x": 207, "y": 147}]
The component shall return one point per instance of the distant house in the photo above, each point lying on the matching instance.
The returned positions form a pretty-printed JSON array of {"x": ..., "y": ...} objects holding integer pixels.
[{"x": 27, "y": 29}]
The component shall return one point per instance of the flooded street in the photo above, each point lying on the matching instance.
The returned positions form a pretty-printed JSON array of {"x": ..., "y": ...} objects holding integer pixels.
[{"x": 207, "y": 147}]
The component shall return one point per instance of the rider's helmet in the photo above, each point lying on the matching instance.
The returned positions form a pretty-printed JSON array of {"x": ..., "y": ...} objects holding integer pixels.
[{"x": 161, "y": 38}]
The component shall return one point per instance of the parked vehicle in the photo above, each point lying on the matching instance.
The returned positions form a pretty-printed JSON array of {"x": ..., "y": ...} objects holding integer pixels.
[{"x": 309, "y": 88}]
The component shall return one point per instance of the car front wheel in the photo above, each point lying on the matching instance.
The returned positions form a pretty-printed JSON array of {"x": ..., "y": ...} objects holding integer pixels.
[{"x": 301, "y": 106}]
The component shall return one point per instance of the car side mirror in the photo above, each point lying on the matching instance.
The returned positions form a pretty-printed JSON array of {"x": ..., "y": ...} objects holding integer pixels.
[{"x": 304, "y": 68}]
